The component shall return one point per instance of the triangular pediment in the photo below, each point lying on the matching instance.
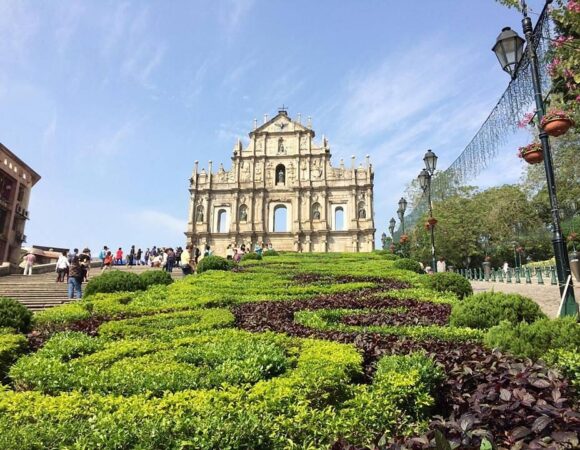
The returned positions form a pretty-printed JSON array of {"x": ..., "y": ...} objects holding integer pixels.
[{"x": 281, "y": 123}]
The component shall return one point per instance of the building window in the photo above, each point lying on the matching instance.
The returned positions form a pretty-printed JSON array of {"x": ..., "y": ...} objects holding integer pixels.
[
  {"x": 280, "y": 219},
  {"x": 280, "y": 174},
  {"x": 316, "y": 211},
  {"x": 339, "y": 219},
  {"x": 21, "y": 191},
  {"x": 222, "y": 221},
  {"x": 243, "y": 213},
  {"x": 6, "y": 187},
  {"x": 362, "y": 212},
  {"x": 3, "y": 214}
]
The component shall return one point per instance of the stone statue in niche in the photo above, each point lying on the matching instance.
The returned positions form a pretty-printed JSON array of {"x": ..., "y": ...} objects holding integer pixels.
[
  {"x": 303, "y": 142},
  {"x": 316, "y": 212},
  {"x": 362, "y": 213},
  {"x": 281, "y": 146},
  {"x": 280, "y": 177},
  {"x": 222, "y": 176},
  {"x": 199, "y": 214},
  {"x": 243, "y": 213},
  {"x": 316, "y": 169}
]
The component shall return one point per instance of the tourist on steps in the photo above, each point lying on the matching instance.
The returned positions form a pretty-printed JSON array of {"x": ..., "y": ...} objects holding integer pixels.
[
  {"x": 29, "y": 261},
  {"x": 61, "y": 267},
  {"x": 75, "y": 279}
]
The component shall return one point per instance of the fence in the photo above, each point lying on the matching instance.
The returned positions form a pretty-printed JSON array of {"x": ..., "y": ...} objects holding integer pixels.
[{"x": 527, "y": 275}]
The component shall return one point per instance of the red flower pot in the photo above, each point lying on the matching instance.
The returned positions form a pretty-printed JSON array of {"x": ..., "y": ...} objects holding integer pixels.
[
  {"x": 557, "y": 127},
  {"x": 534, "y": 157}
]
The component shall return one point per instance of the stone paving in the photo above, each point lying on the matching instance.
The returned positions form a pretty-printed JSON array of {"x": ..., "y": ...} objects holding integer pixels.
[{"x": 546, "y": 295}]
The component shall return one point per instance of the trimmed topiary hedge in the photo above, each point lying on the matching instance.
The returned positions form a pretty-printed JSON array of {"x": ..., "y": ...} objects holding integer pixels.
[
  {"x": 151, "y": 277},
  {"x": 449, "y": 282},
  {"x": 534, "y": 340},
  {"x": 251, "y": 257},
  {"x": 488, "y": 309},
  {"x": 11, "y": 346},
  {"x": 14, "y": 315},
  {"x": 115, "y": 281},
  {"x": 408, "y": 264},
  {"x": 270, "y": 253},
  {"x": 214, "y": 263}
]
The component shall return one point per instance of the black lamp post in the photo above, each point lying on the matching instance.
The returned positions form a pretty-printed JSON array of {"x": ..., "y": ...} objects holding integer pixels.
[
  {"x": 392, "y": 223},
  {"x": 425, "y": 177},
  {"x": 509, "y": 48},
  {"x": 384, "y": 240},
  {"x": 401, "y": 212}
]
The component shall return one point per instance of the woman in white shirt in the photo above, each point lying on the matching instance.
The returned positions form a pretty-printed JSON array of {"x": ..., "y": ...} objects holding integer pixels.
[{"x": 61, "y": 267}]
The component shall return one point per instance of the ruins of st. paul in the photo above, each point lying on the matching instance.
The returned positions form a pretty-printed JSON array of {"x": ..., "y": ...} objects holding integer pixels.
[{"x": 283, "y": 190}]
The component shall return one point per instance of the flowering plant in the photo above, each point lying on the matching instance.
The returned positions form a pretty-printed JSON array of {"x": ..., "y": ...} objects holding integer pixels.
[
  {"x": 528, "y": 119},
  {"x": 554, "y": 114},
  {"x": 404, "y": 239},
  {"x": 533, "y": 147}
]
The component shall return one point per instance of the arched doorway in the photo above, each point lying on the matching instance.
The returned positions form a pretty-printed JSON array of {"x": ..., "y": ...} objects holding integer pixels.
[{"x": 222, "y": 221}]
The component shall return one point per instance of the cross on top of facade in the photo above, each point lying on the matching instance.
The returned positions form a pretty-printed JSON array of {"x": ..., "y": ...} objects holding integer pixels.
[{"x": 283, "y": 109}]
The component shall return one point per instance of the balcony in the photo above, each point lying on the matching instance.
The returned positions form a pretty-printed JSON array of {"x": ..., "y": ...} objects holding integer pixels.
[{"x": 21, "y": 212}]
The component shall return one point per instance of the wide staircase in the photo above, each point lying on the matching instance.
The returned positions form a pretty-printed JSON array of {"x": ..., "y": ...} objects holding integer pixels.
[
  {"x": 41, "y": 291},
  {"x": 36, "y": 292}
]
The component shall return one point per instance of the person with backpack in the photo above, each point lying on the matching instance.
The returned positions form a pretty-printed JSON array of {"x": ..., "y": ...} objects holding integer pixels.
[
  {"x": 75, "y": 279},
  {"x": 103, "y": 253}
]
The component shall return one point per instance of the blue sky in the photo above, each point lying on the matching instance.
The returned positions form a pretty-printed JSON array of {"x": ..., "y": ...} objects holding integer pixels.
[{"x": 112, "y": 101}]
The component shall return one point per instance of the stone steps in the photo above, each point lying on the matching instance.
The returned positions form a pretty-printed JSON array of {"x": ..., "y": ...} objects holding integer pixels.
[{"x": 41, "y": 291}]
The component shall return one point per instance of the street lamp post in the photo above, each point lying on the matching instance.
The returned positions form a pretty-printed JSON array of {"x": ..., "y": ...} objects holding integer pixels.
[
  {"x": 401, "y": 213},
  {"x": 509, "y": 48},
  {"x": 392, "y": 223},
  {"x": 425, "y": 177}
]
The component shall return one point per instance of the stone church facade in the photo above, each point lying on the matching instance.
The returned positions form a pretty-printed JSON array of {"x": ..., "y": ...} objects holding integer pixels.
[{"x": 282, "y": 189}]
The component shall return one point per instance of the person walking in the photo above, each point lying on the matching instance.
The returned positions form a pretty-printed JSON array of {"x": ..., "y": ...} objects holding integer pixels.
[
  {"x": 108, "y": 261},
  {"x": 119, "y": 257},
  {"x": 147, "y": 256},
  {"x": 186, "y": 261},
  {"x": 61, "y": 267},
  {"x": 131, "y": 256},
  {"x": 138, "y": 256},
  {"x": 170, "y": 259},
  {"x": 75, "y": 279},
  {"x": 29, "y": 261},
  {"x": 207, "y": 251},
  {"x": 103, "y": 253},
  {"x": 85, "y": 262},
  {"x": 441, "y": 265}
]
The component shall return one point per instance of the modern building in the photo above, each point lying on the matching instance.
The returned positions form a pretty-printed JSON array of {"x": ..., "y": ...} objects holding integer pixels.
[
  {"x": 16, "y": 181},
  {"x": 282, "y": 189}
]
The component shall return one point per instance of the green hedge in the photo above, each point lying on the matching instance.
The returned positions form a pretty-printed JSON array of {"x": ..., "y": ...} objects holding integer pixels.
[
  {"x": 214, "y": 263},
  {"x": 307, "y": 406},
  {"x": 168, "y": 325},
  {"x": 251, "y": 257},
  {"x": 114, "y": 281},
  {"x": 74, "y": 361},
  {"x": 488, "y": 309},
  {"x": 534, "y": 340},
  {"x": 11, "y": 346},
  {"x": 449, "y": 282},
  {"x": 568, "y": 362},
  {"x": 271, "y": 253},
  {"x": 152, "y": 277},
  {"x": 14, "y": 315},
  {"x": 408, "y": 264}
]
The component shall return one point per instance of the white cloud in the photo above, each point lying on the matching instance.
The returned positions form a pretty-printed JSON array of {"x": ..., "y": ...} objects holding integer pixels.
[{"x": 232, "y": 13}]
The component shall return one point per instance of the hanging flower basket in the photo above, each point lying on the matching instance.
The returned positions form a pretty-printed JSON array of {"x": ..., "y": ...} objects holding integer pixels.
[
  {"x": 432, "y": 221},
  {"x": 556, "y": 122},
  {"x": 404, "y": 239},
  {"x": 532, "y": 153},
  {"x": 427, "y": 226}
]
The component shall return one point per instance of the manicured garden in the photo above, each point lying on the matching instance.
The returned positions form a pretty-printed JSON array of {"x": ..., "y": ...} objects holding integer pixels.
[{"x": 342, "y": 351}]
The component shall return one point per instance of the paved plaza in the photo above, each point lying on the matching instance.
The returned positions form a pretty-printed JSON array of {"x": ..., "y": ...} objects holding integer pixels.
[{"x": 547, "y": 295}]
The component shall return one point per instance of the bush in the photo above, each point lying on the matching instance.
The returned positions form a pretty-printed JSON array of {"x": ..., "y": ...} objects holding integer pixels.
[
  {"x": 151, "y": 277},
  {"x": 271, "y": 253},
  {"x": 251, "y": 257},
  {"x": 14, "y": 315},
  {"x": 488, "y": 309},
  {"x": 534, "y": 340},
  {"x": 59, "y": 317},
  {"x": 449, "y": 282},
  {"x": 408, "y": 264},
  {"x": 115, "y": 281},
  {"x": 214, "y": 263},
  {"x": 569, "y": 364},
  {"x": 11, "y": 346}
]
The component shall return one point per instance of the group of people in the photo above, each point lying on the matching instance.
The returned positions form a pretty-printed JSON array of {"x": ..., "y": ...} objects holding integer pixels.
[
  {"x": 166, "y": 258},
  {"x": 235, "y": 253},
  {"x": 75, "y": 267},
  {"x": 441, "y": 267}
]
